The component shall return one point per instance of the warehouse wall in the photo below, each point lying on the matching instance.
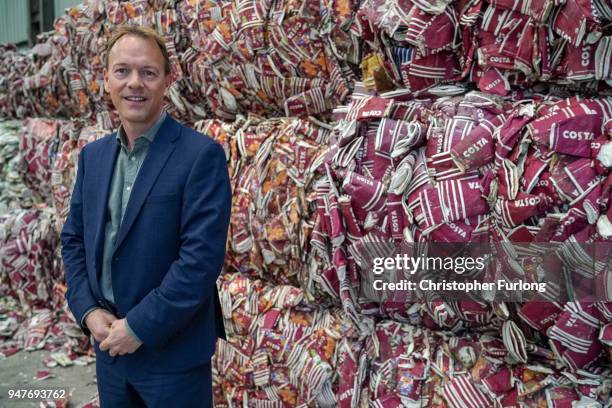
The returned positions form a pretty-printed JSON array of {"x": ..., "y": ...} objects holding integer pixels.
[
  {"x": 20, "y": 19},
  {"x": 14, "y": 21},
  {"x": 62, "y": 5}
]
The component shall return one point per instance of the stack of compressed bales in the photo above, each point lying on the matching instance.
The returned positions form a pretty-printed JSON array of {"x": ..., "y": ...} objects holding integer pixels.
[
  {"x": 269, "y": 58},
  {"x": 40, "y": 169},
  {"x": 13, "y": 192},
  {"x": 498, "y": 45},
  {"x": 413, "y": 158},
  {"x": 299, "y": 59},
  {"x": 414, "y": 366},
  {"x": 33, "y": 314},
  {"x": 227, "y": 58},
  {"x": 273, "y": 165},
  {"x": 280, "y": 351},
  {"x": 475, "y": 168},
  {"x": 28, "y": 240}
]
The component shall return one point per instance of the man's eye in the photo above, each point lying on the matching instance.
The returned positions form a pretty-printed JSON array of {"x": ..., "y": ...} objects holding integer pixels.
[
  {"x": 149, "y": 74},
  {"x": 121, "y": 71}
]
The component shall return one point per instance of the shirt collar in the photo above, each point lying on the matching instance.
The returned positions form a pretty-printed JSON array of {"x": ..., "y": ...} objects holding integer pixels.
[{"x": 148, "y": 134}]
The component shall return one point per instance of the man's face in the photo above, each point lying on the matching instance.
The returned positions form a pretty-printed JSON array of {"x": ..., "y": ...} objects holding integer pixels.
[{"x": 136, "y": 80}]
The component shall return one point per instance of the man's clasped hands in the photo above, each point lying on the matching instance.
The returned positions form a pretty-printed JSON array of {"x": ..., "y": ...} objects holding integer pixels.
[{"x": 112, "y": 333}]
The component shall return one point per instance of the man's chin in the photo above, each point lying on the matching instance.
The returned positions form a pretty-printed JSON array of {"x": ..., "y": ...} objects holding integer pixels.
[{"x": 134, "y": 117}]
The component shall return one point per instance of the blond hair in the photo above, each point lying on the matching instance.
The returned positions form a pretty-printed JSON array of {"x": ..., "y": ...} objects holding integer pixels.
[{"x": 142, "y": 32}]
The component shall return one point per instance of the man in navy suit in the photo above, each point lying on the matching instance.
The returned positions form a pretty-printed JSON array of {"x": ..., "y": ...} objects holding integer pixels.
[{"x": 144, "y": 241}]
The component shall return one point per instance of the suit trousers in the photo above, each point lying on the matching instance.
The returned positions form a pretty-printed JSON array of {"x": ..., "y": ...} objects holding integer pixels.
[{"x": 125, "y": 384}]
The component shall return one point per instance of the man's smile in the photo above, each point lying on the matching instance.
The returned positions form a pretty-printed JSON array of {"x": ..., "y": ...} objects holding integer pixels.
[{"x": 135, "y": 98}]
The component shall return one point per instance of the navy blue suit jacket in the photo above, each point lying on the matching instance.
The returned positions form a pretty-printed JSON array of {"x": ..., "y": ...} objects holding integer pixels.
[{"x": 169, "y": 249}]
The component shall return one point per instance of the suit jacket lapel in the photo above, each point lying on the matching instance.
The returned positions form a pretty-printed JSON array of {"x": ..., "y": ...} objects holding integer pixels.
[
  {"x": 159, "y": 152},
  {"x": 106, "y": 165}
]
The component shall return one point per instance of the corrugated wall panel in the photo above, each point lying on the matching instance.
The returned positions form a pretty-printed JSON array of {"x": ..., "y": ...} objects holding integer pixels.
[
  {"x": 62, "y": 5},
  {"x": 14, "y": 21}
]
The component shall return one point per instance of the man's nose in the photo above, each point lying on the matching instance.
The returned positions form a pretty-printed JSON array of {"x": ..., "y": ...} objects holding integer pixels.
[{"x": 134, "y": 79}]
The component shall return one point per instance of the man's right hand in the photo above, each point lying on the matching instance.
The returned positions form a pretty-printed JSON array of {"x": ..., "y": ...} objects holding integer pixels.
[{"x": 99, "y": 322}]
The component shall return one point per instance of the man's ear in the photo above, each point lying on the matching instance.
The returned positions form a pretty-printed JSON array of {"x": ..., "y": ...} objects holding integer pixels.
[{"x": 105, "y": 76}]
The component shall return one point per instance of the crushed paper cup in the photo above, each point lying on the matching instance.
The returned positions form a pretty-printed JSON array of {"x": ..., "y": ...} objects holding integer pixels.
[
  {"x": 43, "y": 375},
  {"x": 461, "y": 392},
  {"x": 515, "y": 341}
]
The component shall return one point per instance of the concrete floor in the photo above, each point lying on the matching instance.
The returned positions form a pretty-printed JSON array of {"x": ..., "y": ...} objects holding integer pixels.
[{"x": 18, "y": 371}]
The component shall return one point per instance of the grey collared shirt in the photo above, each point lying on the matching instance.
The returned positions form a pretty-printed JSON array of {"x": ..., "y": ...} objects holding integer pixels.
[{"x": 127, "y": 166}]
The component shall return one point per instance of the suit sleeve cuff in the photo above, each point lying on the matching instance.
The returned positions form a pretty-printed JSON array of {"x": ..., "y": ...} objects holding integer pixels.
[
  {"x": 129, "y": 329},
  {"x": 87, "y": 312}
]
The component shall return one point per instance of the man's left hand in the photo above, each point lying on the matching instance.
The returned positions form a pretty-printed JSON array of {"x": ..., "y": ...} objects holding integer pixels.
[{"x": 119, "y": 340}]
